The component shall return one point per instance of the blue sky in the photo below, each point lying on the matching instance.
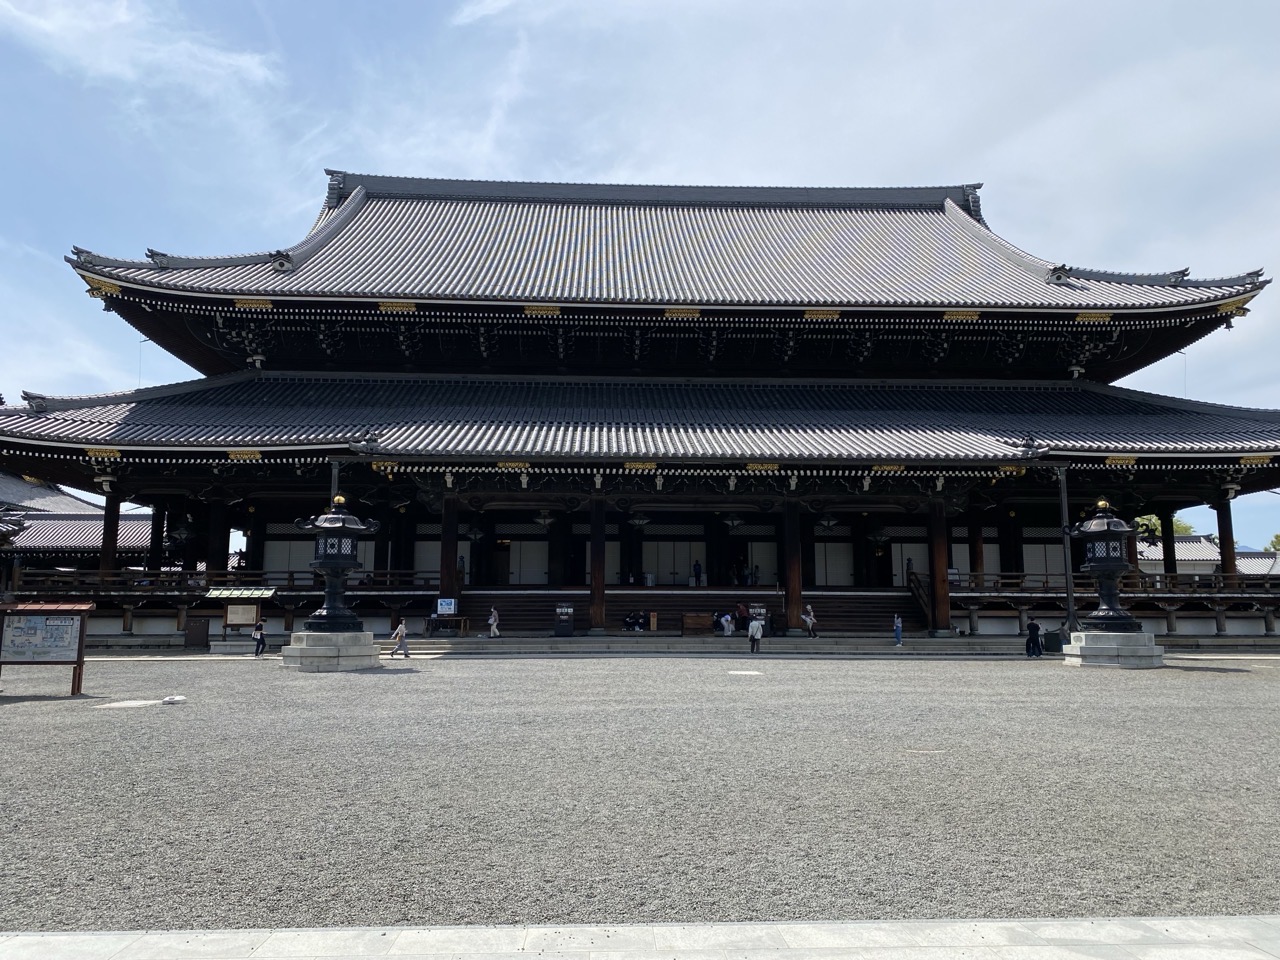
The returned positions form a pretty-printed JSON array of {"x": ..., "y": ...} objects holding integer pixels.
[{"x": 1135, "y": 136}]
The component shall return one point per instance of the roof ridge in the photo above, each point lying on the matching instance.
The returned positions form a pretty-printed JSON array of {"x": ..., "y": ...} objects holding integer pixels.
[{"x": 343, "y": 183}]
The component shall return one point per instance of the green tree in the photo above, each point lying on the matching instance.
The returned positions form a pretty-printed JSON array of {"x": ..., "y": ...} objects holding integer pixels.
[
  {"x": 1274, "y": 545},
  {"x": 1180, "y": 527}
]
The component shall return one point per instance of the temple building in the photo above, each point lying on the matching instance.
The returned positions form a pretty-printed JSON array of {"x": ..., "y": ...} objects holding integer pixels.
[{"x": 652, "y": 397}]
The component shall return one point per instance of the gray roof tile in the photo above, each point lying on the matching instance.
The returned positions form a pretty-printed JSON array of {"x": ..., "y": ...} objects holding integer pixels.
[
  {"x": 498, "y": 417},
  {"x": 400, "y": 238}
]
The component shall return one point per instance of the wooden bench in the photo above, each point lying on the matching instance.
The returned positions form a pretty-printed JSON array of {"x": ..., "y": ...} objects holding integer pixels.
[{"x": 697, "y": 623}]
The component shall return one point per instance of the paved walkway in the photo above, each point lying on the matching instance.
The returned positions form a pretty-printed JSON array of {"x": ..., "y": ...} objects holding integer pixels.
[{"x": 1210, "y": 938}]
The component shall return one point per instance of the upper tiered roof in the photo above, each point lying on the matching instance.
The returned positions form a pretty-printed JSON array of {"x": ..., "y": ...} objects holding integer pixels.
[{"x": 401, "y": 238}]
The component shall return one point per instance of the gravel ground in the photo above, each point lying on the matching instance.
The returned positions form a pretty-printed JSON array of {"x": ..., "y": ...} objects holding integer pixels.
[{"x": 477, "y": 791}]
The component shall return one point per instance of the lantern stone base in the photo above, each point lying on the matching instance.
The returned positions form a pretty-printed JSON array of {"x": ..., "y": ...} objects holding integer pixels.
[
  {"x": 311, "y": 652},
  {"x": 1133, "y": 651}
]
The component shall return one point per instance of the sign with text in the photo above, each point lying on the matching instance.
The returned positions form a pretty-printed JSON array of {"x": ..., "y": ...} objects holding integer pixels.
[
  {"x": 242, "y": 614},
  {"x": 446, "y": 607},
  {"x": 40, "y": 639}
]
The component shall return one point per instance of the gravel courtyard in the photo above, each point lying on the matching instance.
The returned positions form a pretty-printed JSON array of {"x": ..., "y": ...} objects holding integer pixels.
[{"x": 493, "y": 791}]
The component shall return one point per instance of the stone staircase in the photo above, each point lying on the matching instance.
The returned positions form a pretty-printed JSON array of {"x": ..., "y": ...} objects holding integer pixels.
[{"x": 672, "y": 644}]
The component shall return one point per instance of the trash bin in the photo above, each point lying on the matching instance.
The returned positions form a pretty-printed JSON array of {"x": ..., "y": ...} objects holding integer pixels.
[
  {"x": 564, "y": 620},
  {"x": 1052, "y": 641}
]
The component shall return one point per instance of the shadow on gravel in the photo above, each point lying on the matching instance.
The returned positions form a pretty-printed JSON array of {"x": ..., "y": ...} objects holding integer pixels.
[
  {"x": 48, "y": 698},
  {"x": 1193, "y": 669}
]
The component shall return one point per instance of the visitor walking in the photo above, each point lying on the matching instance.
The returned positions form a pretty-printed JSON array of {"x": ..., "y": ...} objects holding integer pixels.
[
  {"x": 259, "y": 639},
  {"x": 400, "y": 637},
  {"x": 810, "y": 621},
  {"x": 754, "y": 633},
  {"x": 493, "y": 622},
  {"x": 1034, "y": 647},
  {"x": 897, "y": 630}
]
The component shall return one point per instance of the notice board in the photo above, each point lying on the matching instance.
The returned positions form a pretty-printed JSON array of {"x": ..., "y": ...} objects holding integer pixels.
[{"x": 41, "y": 638}]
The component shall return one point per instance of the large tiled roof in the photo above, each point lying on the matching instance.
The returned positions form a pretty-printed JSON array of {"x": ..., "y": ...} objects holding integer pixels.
[
  {"x": 498, "y": 417},
  {"x": 55, "y": 532},
  {"x": 33, "y": 494},
  {"x": 452, "y": 240}
]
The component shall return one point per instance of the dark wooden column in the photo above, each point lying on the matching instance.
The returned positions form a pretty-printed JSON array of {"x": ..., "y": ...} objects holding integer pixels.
[
  {"x": 256, "y": 547},
  {"x": 597, "y": 565},
  {"x": 1226, "y": 538},
  {"x": 218, "y": 544},
  {"x": 941, "y": 586},
  {"x": 1168, "y": 541},
  {"x": 110, "y": 533},
  {"x": 858, "y": 535},
  {"x": 977, "y": 554},
  {"x": 1010, "y": 531},
  {"x": 808, "y": 564},
  {"x": 449, "y": 546},
  {"x": 793, "y": 581},
  {"x": 155, "y": 546}
]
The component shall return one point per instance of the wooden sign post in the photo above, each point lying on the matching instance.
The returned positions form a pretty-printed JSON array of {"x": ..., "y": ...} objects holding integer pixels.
[{"x": 45, "y": 634}]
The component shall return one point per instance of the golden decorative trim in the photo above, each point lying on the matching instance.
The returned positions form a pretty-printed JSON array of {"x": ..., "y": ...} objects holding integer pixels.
[
  {"x": 961, "y": 315},
  {"x": 36, "y": 480},
  {"x": 244, "y": 454},
  {"x": 101, "y": 288},
  {"x": 761, "y": 467},
  {"x": 513, "y": 464},
  {"x": 541, "y": 310},
  {"x": 1093, "y": 318},
  {"x": 384, "y": 466},
  {"x": 1121, "y": 461},
  {"x": 888, "y": 468},
  {"x": 1012, "y": 470},
  {"x": 640, "y": 465},
  {"x": 397, "y": 306},
  {"x": 251, "y": 304},
  {"x": 687, "y": 313},
  {"x": 1255, "y": 460},
  {"x": 822, "y": 314},
  {"x": 1236, "y": 305},
  {"x": 102, "y": 453}
]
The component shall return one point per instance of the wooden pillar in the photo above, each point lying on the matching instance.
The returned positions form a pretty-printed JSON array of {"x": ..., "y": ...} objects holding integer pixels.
[
  {"x": 597, "y": 564},
  {"x": 1168, "y": 541},
  {"x": 110, "y": 533},
  {"x": 155, "y": 546},
  {"x": 218, "y": 544},
  {"x": 794, "y": 579},
  {"x": 449, "y": 585},
  {"x": 977, "y": 554},
  {"x": 1010, "y": 530},
  {"x": 256, "y": 548},
  {"x": 858, "y": 536},
  {"x": 1226, "y": 538},
  {"x": 941, "y": 586},
  {"x": 808, "y": 548}
]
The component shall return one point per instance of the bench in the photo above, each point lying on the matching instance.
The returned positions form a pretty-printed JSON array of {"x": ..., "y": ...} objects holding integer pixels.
[{"x": 697, "y": 623}]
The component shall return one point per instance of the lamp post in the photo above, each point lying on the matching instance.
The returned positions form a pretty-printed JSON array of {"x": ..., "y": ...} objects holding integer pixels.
[
  {"x": 337, "y": 534},
  {"x": 1106, "y": 553}
]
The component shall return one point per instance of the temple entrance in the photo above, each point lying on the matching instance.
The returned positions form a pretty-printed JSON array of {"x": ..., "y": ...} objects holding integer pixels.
[{"x": 500, "y": 560}]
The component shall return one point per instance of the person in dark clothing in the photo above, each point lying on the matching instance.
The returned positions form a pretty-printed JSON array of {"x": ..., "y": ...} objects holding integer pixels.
[
  {"x": 1034, "y": 647},
  {"x": 259, "y": 638}
]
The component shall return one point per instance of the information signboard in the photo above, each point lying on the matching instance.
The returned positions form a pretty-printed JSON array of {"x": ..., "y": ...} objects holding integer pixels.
[
  {"x": 446, "y": 606},
  {"x": 241, "y": 614},
  {"x": 40, "y": 639}
]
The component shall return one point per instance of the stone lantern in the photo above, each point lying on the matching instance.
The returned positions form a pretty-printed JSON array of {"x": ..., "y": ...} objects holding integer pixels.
[
  {"x": 1106, "y": 553},
  {"x": 333, "y": 638},
  {"x": 1110, "y": 636}
]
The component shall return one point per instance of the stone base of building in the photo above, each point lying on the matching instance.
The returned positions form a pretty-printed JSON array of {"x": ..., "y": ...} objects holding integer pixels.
[
  {"x": 232, "y": 647},
  {"x": 1133, "y": 651},
  {"x": 310, "y": 652}
]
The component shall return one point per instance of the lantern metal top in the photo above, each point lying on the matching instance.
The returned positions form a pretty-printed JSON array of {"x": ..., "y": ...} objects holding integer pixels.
[
  {"x": 337, "y": 519},
  {"x": 1102, "y": 523}
]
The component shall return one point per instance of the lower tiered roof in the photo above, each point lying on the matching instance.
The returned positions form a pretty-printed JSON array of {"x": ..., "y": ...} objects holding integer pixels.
[{"x": 273, "y": 415}]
